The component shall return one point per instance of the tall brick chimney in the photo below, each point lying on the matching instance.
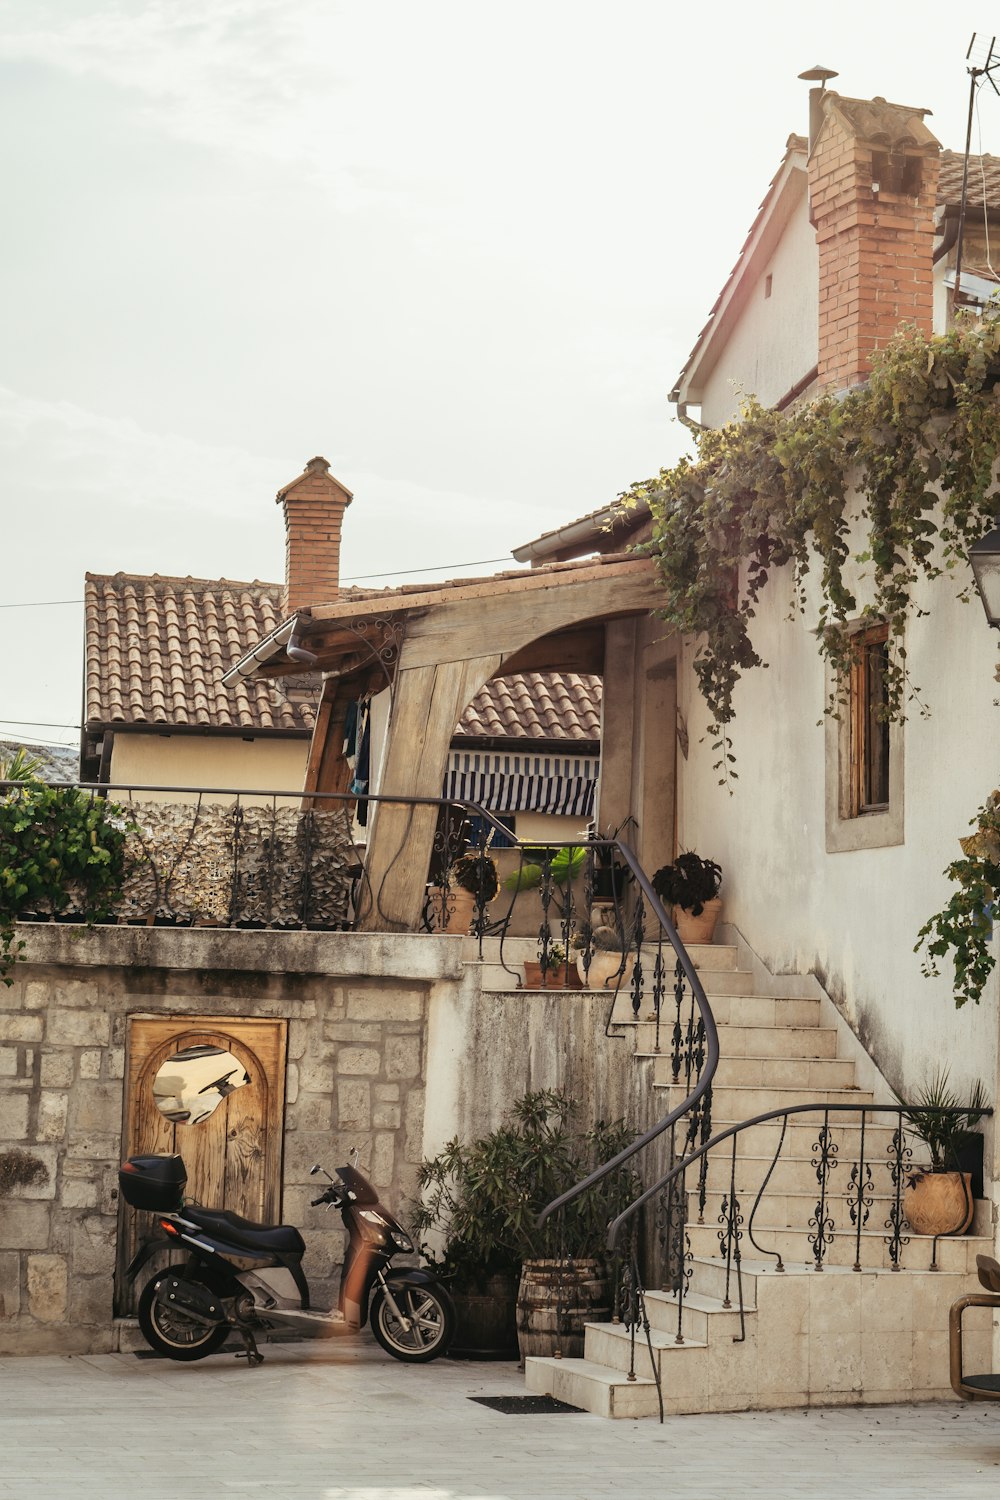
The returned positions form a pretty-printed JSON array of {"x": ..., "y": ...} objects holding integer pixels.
[
  {"x": 314, "y": 510},
  {"x": 873, "y": 170}
]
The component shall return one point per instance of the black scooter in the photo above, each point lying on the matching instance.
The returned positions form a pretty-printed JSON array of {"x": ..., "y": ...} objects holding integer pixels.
[{"x": 187, "y": 1311}]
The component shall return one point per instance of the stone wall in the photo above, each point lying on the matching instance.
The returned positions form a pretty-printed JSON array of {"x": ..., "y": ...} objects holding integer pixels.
[{"x": 357, "y": 1009}]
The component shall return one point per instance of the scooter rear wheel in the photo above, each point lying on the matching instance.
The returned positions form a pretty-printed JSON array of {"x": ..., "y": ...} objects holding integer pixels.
[
  {"x": 432, "y": 1323},
  {"x": 174, "y": 1332}
]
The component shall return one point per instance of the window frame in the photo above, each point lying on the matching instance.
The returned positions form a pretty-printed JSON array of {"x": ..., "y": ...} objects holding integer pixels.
[{"x": 851, "y": 822}]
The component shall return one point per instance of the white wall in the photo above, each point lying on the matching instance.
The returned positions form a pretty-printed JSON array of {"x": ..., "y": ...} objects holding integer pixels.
[
  {"x": 853, "y": 917},
  {"x": 203, "y": 761},
  {"x": 775, "y": 341}
]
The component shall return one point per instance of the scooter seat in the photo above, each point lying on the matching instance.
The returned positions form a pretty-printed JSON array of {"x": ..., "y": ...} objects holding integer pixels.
[{"x": 219, "y": 1222}]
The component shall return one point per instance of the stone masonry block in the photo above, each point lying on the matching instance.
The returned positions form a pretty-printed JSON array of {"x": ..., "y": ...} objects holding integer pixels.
[
  {"x": 386, "y": 1093},
  {"x": 52, "y": 1110},
  {"x": 383, "y": 1157},
  {"x": 316, "y": 1074},
  {"x": 24, "y": 1226},
  {"x": 94, "y": 1148},
  {"x": 94, "y": 1246},
  {"x": 90, "y": 1302},
  {"x": 20, "y": 1028},
  {"x": 77, "y": 1193},
  {"x": 402, "y": 1057},
  {"x": 114, "y": 1063},
  {"x": 291, "y": 1082},
  {"x": 311, "y": 1112},
  {"x": 353, "y": 1105},
  {"x": 413, "y": 1115},
  {"x": 13, "y": 1117},
  {"x": 57, "y": 1069},
  {"x": 39, "y": 1192},
  {"x": 90, "y": 1063},
  {"x": 10, "y": 1286},
  {"x": 47, "y": 1283},
  {"x": 78, "y": 1028},
  {"x": 97, "y": 1107},
  {"x": 363, "y": 1060},
  {"x": 8, "y": 1062},
  {"x": 384, "y": 1005},
  {"x": 298, "y": 1038},
  {"x": 353, "y": 1031},
  {"x": 386, "y": 1116}
]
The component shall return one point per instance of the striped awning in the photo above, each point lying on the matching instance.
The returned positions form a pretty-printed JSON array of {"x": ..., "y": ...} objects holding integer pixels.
[{"x": 504, "y": 782}]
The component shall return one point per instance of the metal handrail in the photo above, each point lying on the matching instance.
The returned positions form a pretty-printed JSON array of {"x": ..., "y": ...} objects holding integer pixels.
[
  {"x": 707, "y": 1074},
  {"x": 680, "y": 1167}
]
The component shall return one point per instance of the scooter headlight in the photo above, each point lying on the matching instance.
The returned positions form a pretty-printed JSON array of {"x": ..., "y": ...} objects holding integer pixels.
[
  {"x": 373, "y": 1227},
  {"x": 402, "y": 1241}
]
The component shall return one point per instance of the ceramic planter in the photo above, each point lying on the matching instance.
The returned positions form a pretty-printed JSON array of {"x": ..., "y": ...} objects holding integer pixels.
[
  {"x": 603, "y": 971},
  {"x": 700, "y": 929},
  {"x": 537, "y": 978},
  {"x": 939, "y": 1202}
]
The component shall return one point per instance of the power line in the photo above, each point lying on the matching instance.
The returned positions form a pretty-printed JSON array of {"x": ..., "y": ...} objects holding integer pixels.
[
  {"x": 480, "y": 562},
  {"x": 41, "y": 724}
]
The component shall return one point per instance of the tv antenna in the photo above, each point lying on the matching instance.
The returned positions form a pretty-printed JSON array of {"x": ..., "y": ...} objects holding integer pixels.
[{"x": 983, "y": 61}]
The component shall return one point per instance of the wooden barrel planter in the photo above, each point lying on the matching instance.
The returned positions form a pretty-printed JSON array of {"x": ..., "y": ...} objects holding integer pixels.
[
  {"x": 487, "y": 1320},
  {"x": 554, "y": 1301}
]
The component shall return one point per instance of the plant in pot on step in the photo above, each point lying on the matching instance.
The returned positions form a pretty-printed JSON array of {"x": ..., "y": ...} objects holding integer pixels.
[
  {"x": 472, "y": 882},
  {"x": 940, "y": 1197},
  {"x": 601, "y": 958},
  {"x": 551, "y": 971},
  {"x": 514, "y": 1282},
  {"x": 691, "y": 886}
]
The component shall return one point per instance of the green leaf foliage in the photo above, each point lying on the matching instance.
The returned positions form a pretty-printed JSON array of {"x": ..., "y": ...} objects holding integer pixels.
[
  {"x": 56, "y": 842},
  {"x": 485, "y": 1196},
  {"x": 964, "y": 925},
  {"x": 916, "y": 448}
]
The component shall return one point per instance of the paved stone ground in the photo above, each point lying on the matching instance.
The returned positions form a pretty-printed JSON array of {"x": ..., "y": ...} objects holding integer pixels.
[{"x": 342, "y": 1421}]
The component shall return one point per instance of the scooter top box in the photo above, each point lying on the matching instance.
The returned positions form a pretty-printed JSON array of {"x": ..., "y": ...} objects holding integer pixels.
[{"x": 155, "y": 1183}]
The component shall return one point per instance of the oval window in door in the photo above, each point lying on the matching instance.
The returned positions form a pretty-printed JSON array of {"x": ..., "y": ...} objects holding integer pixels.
[{"x": 190, "y": 1085}]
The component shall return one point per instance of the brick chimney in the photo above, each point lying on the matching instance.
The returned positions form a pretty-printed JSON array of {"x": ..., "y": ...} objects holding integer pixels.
[
  {"x": 314, "y": 510},
  {"x": 873, "y": 170}
]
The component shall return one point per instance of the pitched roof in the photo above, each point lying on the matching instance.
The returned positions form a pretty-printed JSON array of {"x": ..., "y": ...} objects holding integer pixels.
[
  {"x": 156, "y": 649},
  {"x": 55, "y": 762},
  {"x": 536, "y": 706},
  {"x": 984, "y": 173}
]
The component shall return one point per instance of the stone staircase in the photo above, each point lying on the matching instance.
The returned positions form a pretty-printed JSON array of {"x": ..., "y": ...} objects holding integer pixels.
[{"x": 804, "y": 1337}]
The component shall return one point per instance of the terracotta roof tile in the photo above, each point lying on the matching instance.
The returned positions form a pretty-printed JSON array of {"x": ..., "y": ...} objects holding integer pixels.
[
  {"x": 157, "y": 647},
  {"x": 980, "y": 167},
  {"x": 536, "y": 706}
]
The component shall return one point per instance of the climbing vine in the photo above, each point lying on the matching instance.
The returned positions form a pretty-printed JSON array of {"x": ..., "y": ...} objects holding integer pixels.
[
  {"x": 909, "y": 457},
  {"x": 964, "y": 926}
]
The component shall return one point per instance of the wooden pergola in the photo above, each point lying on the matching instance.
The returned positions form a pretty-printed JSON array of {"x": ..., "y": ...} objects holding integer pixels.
[{"x": 436, "y": 646}]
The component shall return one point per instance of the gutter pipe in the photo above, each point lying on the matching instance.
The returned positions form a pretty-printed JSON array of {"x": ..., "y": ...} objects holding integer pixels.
[{"x": 284, "y": 637}]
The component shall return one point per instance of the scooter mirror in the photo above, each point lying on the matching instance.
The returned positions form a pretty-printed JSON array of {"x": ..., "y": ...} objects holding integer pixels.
[
  {"x": 191, "y": 1085},
  {"x": 315, "y": 1169}
]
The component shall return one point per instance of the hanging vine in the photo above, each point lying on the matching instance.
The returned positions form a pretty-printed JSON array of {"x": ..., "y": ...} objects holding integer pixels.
[{"x": 910, "y": 457}]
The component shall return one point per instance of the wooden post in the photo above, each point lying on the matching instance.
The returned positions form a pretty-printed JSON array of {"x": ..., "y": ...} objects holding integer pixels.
[{"x": 427, "y": 704}]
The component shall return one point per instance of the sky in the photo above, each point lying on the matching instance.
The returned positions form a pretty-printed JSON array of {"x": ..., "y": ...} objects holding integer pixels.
[{"x": 461, "y": 251}]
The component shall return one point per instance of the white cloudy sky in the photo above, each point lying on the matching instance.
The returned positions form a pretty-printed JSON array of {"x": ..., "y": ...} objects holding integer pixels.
[{"x": 461, "y": 250}]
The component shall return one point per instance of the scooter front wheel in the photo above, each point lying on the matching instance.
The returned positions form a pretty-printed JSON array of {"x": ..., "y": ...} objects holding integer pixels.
[
  {"x": 430, "y": 1316},
  {"x": 174, "y": 1332}
]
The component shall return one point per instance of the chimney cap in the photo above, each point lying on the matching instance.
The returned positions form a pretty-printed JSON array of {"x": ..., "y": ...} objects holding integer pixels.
[
  {"x": 318, "y": 463},
  {"x": 818, "y": 74}
]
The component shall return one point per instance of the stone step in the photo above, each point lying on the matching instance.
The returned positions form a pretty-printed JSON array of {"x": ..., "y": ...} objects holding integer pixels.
[
  {"x": 814, "y": 1042},
  {"x": 955, "y": 1254},
  {"x": 792, "y": 1209},
  {"x": 734, "y": 1102},
  {"x": 801, "y": 1134},
  {"x": 768, "y": 1072},
  {"x": 704, "y": 1318},
  {"x": 612, "y": 1345},
  {"x": 791, "y": 1174},
  {"x": 742, "y": 1008},
  {"x": 592, "y": 1387}
]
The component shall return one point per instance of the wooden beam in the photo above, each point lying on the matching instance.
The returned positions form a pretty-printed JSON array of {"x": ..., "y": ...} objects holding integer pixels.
[
  {"x": 427, "y": 704},
  {"x": 506, "y": 622},
  {"x": 578, "y": 650}
]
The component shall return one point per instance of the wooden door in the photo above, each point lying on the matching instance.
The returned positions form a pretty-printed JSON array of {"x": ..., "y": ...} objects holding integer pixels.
[{"x": 233, "y": 1158}]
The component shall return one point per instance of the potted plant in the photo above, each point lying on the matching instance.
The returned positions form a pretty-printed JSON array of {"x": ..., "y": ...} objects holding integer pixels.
[
  {"x": 551, "y": 971},
  {"x": 482, "y": 1201},
  {"x": 600, "y": 955},
  {"x": 471, "y": 883},
  {"x": 939, "y": 1197},
  {"x": 691, "y": 886}
]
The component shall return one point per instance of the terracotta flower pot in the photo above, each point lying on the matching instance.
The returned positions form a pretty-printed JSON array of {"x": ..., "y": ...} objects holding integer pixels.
[
  {"x": 537, "y": 978},
  {"x": 700, "y": 929},
  {"x": 939, "y": 1202},
  {"x": 459, "y": 906},
  {"x": 603, "y": 971}
]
